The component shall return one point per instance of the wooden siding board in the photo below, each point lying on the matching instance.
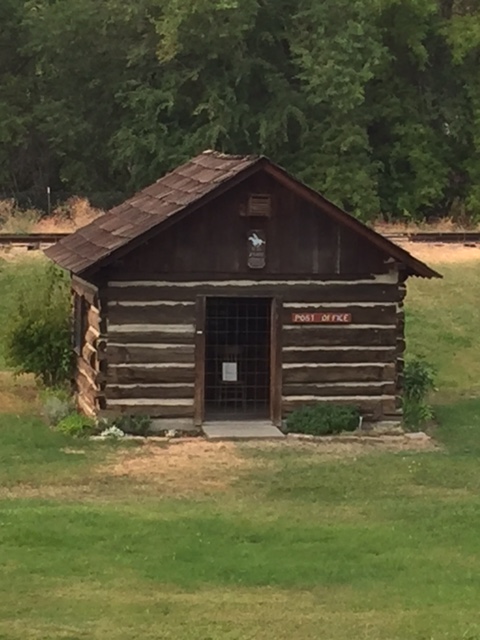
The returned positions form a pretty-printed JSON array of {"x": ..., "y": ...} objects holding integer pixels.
[
  {"x": 339, "y": 336},
  {"x": 138, "y": 353},
  {"x": 162, "y": 314},
  {"x": 332, "y": 355},
  {"x": 118, "y": 374},
  {"x": 156, "y": 391},
  {"x": 152, "y": 336},
  {"x": 341, "y": 388},
  {"x": 288, "y": 291},
  {"x": 338, "y": 373}
]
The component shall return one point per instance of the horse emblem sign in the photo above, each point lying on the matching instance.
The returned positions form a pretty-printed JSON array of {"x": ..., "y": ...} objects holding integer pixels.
[{"x": 256, "y": 249}]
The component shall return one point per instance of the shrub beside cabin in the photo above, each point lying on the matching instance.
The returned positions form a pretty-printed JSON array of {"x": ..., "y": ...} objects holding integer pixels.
[{"x": 229, "y": 290}]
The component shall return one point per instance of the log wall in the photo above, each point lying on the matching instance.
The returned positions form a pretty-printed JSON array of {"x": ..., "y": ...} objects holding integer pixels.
[
  {"x": 150, "y": 343},
  {"x": 150, "y": 353},
  {"x": 356, "y": 363},
  {"x": 89, "y": 374}
]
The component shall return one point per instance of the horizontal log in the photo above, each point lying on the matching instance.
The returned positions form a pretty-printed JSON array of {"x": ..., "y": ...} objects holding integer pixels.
[
  {"x": 160, "y": 425},
  {"x": 310, "y": 335},
  {"x": 137, "y": 353},
  {"x": 153, "y": 334},
  {"x": 340, "y": 389},
  {"x": 311, "y": 374},
  {"x": 151, "y": 313},
  {"x": 124, "y": 374},
  {"x": 375, "y": 408},
  {"x": 154, "y": 410},
  {"x": 154, "y": 391},
  {"x": 338, "y": 355},
  {"x": 289, "y": 291},
  {"x": 375, "y": 314}
]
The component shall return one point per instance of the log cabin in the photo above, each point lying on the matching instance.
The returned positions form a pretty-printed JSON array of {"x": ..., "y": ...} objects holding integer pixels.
[{"x": 228, "y": 290}]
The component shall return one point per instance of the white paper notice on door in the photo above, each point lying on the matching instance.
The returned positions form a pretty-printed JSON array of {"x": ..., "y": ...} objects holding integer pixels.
[{"x": 229, "y": 372}]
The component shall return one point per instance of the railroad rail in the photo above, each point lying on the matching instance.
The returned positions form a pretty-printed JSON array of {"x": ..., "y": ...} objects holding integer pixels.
[
  {"x": 437, "y": 237},
  {"x": 32, "y": 241}
]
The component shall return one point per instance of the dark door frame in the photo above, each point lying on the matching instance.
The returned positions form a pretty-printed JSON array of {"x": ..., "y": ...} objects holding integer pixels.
[{"x": 275, "y": 359}]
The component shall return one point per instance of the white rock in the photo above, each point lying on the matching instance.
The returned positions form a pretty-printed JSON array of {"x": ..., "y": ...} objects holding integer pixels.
[{"x": 417, "y": 435}]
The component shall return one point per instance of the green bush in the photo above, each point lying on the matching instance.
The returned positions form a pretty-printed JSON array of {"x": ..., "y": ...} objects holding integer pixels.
[
  {"x": 323, "y": 419},
  {"x": 38, "y": 331},
  {"x": 418, "y": 381},
  {"x": 77, "y": 425},
  {"x": 133, "y": 425}
]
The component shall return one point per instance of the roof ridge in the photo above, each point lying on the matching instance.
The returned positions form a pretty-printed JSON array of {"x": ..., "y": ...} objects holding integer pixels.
[{"x": 229, "y": 156}]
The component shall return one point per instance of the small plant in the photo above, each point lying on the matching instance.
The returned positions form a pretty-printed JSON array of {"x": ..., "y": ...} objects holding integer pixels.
[
  {"x": 418, "y": 382},
  {"x": 38, "y": 335},
  {"x": 323, "y": 419},
  {"x": 56, "y": 405},
  {"x": 112, "y": 432},
  {"x": 77, "y": 425},
  {"x": 133, "y": 425}
]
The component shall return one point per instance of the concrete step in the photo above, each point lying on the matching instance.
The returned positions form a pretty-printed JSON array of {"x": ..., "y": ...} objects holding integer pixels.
[{"x": 241, "y": 430}]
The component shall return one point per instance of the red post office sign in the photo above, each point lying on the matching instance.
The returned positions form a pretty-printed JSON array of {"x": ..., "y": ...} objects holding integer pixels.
[{"x": 321, "y": 317}]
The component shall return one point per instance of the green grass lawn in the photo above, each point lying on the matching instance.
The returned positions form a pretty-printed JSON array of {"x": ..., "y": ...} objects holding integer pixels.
[
  {"x": 442, "y": 324},
  {"x": 289, "y": 542},
  {"x": 381, "y": 545},
  {"x": 14, "y": 277}
]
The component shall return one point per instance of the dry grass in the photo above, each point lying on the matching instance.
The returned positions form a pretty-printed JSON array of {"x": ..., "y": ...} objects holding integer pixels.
[
  {"x": 70, "y": 216},
  {"x": 441, "y": 225},
  {"x": 186, "y": 466},
  {"x": 18, "y": 394},
  {"x": 14, "y": 220},
  {"x": 74, "y": 214},
  {"x": 442, "y": 253}
]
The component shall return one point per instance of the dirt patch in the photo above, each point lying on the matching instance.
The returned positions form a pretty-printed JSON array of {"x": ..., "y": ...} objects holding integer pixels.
[
  {"x": 442, "y": 253},
  {"x": 183, "y": 466}
]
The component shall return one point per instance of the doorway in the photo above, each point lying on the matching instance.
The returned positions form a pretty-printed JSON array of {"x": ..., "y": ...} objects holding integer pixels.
[{"x": 237, "y": 358}]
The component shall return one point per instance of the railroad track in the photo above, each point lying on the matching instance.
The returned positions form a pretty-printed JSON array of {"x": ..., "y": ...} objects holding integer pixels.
[
  {"x": 32, "y": 241},
  {"x": 437, "y": 237}
]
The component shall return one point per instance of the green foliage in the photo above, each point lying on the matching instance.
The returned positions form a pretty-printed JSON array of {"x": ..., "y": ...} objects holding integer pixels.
[
  {"x": 374, "y": 102},
  {"x": 76, "y": 424},
  {"x": 323, "y": 419},
  {"x": 418, "y": 381},
  {"x": 133, "y": 424},
  {"x": 38, "y": 330}
]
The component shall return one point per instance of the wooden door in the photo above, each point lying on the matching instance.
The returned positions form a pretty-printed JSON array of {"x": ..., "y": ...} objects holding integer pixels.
[
  {"x": 276, "y": 363},
  {"x": 199, "y": 402}
]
